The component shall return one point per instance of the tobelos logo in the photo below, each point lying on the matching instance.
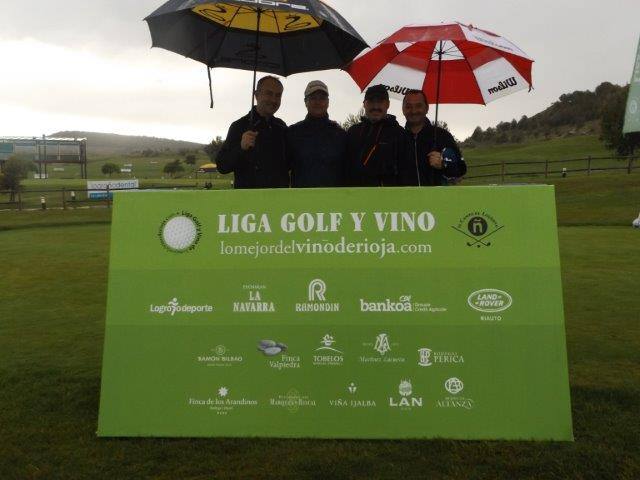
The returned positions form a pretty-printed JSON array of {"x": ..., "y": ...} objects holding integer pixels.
[
  {"x": 180, "y": 233},
  {"x": 478, "y": 227},
  {"x": 490, "y": 300}
]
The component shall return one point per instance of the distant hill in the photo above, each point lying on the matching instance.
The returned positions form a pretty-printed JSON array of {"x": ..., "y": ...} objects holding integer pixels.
[
  {"x": 112, "y": 144},
  {"x": 577, "y": 113}
]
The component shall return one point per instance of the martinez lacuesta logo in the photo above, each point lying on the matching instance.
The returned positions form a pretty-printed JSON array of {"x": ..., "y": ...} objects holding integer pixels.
[
  {"x": 180, "y": 232},
  {"x": 479, "y": 228}
]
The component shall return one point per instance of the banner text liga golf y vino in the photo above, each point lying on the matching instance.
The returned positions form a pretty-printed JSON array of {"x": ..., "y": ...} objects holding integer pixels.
[{"x": 349, "y": 313}]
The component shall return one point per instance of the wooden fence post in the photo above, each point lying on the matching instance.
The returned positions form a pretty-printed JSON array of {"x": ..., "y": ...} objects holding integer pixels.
[
  {"x": 589, "y": 165},
  {"x": 503, "y": 170},
  {"x": 630, "y": 165},
  {"x": 19, "y": 200},
  {"x": 64, "y": 200},
  {"x": 546, "y": 168}
]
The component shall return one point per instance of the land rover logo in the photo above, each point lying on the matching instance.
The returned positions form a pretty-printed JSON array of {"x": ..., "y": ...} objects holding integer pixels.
[{"x": 490, "y": 300}]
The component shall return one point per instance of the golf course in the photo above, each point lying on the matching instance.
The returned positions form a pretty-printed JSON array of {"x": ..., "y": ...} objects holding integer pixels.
[{"x": 52, "y": 316}]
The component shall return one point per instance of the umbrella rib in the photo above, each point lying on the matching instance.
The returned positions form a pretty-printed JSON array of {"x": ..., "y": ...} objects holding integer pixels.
[
  {"x": 284, "y": 61},
  {"x": 224, "y": 36},
  {"x": 473, "y": 75}
]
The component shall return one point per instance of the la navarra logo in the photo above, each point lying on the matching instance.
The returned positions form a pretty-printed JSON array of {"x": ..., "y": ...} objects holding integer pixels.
[
  {"x": 180, "y": 232},
  {"x": 480, "y": 229}
]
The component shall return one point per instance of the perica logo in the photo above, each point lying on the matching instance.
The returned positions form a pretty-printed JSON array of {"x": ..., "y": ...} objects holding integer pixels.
[
  {"x": 478, "y": 227},
  {"x": 508, "y": 83},
  {"x": 180, "y": 232},
  {"x": 490, "y": 300}
]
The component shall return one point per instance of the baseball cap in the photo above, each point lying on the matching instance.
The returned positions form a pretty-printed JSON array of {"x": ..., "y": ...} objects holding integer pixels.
[
  {"x": 315, "y": 86},
  {"x": 377, "y": 92}
]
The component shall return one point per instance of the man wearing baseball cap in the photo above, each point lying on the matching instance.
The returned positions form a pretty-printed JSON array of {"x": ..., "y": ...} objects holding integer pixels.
[
  {"x": 316, "y": 145},
  {"x": 377, "y": 147}
]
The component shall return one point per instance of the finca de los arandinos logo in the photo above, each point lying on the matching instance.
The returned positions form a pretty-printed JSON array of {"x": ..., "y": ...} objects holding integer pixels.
[
  {"x": 479, "y": 228},
  {"x": 180, "y": 232}
]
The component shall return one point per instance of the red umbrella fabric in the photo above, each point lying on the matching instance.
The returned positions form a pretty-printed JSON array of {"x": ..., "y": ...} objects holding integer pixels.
[{"x": 450, "y": 63}]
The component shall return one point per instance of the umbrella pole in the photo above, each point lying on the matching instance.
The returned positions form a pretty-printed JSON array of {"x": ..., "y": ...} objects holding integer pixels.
[
  {"x": 435, "y": 131},
  {"x": 255, "y": 64}
]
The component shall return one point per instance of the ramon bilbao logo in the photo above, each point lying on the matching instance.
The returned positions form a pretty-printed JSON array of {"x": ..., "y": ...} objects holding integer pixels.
[
  {"x": 180, "y": 232},
  {"x": 479, "y": 227}
]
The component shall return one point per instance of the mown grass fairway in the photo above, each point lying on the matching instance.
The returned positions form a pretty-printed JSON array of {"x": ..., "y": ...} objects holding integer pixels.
[{"x": 53, "y": 290}]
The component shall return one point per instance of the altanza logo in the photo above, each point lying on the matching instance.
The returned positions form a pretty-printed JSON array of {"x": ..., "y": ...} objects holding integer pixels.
[
  {"x": 505, "y": 84},
  {"x": 402, "y": 305},
  {"x": 172, "y": 307}
]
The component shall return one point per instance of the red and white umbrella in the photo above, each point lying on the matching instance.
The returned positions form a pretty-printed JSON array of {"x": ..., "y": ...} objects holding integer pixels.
[{"x": 450, "y": 63}]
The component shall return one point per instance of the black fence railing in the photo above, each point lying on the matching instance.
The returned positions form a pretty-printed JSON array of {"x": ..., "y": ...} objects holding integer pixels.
[{"x": 548, "y": 168}]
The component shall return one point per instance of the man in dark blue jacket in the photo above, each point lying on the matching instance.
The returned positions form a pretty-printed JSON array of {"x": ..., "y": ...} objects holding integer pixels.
[
  {"x": 316, "y": 145},
  {"x": 255, "y": 149},
  {"x": 377, "y": 147},
  {"x": 435, "y": 158}
]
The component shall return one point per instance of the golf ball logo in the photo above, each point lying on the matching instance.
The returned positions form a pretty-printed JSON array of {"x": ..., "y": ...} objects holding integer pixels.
[{"x": 180, "y": 232}]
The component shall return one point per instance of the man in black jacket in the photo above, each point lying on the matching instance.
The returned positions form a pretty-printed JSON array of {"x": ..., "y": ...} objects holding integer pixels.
[
  {"x": 316, "y": 145},
  {"x": 255, "y": 148},
  {"x": 377, "y": 147},
  {"x": 435, "y": 157}
]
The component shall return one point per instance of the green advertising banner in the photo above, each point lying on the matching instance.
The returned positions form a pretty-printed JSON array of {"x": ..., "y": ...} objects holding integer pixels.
[
  {"x": 347, "y": 313},
  {"x": 632, "y": 117}
]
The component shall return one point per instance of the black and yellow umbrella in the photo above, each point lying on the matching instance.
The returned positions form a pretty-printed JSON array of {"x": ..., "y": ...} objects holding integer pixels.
[{"x": 280, "y": 37}]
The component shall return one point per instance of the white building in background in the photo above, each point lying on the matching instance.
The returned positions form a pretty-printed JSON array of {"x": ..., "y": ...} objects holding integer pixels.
[{"x": 46, "y": 151}]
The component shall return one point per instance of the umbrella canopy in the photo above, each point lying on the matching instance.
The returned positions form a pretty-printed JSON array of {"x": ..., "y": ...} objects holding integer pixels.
[
  {"x": 450, "y": 63},
  {"x": 278, "y": 37},
  {"x": 208, "y": 168}
]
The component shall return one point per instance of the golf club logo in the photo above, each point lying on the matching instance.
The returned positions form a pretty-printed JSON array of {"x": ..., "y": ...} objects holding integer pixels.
[
  {"x": 180, "y": 232},
  {"x": 478, "y": 227}
]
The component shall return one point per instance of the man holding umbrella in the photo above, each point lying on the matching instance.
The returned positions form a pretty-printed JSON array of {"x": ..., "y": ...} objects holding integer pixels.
[
  {"x": 436, "y": 158},
  {"x": 377, "y": 147},
  {"x": 255, "y": 149}
]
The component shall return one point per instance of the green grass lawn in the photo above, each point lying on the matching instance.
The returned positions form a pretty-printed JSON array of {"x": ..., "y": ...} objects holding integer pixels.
[{"x": 53, "y": 291}]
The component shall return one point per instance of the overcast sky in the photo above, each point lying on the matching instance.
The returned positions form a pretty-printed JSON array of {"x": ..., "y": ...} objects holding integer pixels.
[{"x": 87, "y": 65}]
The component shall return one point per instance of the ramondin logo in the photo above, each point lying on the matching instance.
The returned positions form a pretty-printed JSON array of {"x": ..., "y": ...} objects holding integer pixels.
[
  {"x": 478, "y": 227},
  {"x": 504, "y": 85},
  {"x": 490, "y": 300},
  {"x": 173, "y": 306},
  {"x": 180, "y": 232},
  {"x": 316, "y": 294}
]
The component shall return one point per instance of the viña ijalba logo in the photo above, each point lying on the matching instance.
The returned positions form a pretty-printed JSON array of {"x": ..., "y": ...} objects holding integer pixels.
[
  {"x": 173, "y": 307},
  {"x": 317, "y": 299},
  {"x": 180, "y": 233},
  {"x": 479, "y": 228}
]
